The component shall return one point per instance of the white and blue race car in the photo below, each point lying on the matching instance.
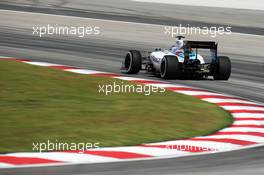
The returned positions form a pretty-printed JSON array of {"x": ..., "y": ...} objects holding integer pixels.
[{"x": 180, "y": 61}]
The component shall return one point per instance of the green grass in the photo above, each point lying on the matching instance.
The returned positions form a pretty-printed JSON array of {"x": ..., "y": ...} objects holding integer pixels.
[{"x": 37, "y": 104}]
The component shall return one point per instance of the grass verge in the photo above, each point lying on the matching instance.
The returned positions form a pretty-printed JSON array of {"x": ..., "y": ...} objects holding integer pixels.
[{"x": 39, "y": 104}]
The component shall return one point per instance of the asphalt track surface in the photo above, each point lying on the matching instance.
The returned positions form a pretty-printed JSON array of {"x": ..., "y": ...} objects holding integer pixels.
[{"x": 106, "y": 53}]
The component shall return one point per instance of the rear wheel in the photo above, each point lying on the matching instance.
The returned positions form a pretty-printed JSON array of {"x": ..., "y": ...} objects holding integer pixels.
[
  {"x": 223, "y": 68},
  {"x": 170, "y": 67},
  {"x": 132, "y": 64}
]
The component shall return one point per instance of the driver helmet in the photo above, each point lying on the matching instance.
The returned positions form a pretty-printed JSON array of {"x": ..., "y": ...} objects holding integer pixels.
[{"x": 179, "y": 44}]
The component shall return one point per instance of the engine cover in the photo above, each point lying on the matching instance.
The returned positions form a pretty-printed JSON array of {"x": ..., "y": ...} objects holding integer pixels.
[{"x": 157, "y": 56}]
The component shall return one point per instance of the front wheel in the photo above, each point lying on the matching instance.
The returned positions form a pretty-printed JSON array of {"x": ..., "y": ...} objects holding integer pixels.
[
  {"x": 132, "y": 63},
  {"x": 170, "y": 67},
  {"x": 223, "y": 68}
]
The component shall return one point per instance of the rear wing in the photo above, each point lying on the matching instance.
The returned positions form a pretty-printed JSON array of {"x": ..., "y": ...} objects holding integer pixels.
[
  {"x": 200, "y": 44},
  {"x": 188, "y": 45}
]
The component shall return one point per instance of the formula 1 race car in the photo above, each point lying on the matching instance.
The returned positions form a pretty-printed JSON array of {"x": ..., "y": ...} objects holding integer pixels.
[{"x": 180, "y": 61}]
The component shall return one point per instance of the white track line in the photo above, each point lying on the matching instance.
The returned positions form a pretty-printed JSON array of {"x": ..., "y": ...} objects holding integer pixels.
[
  {"x": 250, "y": 138},
  {"x": 249, "y": 122},
  {"x": 247, "y": 115},
  {"x": 65, "y": 157},
  {"x": 243, "y": 108},
  {"x": 243, "y": 129},
  {"x": 45, "y": 64},
  {"x": 84, "y": 71},
  {"x": 219, "y": 100}
]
